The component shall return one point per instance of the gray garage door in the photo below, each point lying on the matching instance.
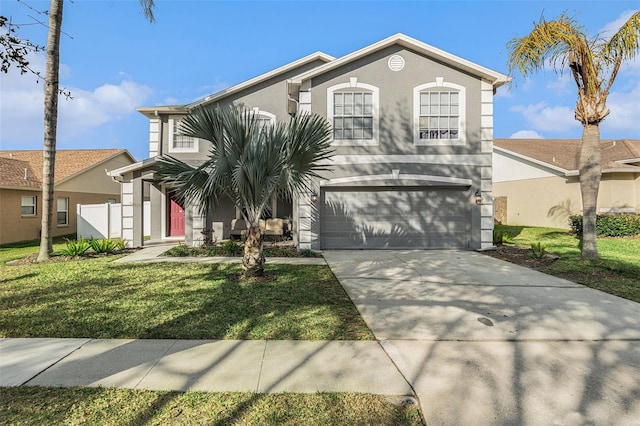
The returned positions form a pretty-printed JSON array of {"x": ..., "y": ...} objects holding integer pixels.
[{"x": 378, "y": 218}]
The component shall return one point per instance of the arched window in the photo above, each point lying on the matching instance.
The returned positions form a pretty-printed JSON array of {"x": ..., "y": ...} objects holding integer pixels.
[
  {"x": 439, "y": 113},
  {"x": 352, "y": 109},
  {"x": 264, "y": 118}
]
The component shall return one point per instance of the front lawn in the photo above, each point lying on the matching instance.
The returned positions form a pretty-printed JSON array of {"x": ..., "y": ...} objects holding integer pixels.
[
  {"x": 99, "y": 406},
  {"x": 96, "y": 298},
  {"x": 616, "y": 272}
]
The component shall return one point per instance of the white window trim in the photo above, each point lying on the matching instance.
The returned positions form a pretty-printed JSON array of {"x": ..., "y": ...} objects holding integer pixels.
[
  {"x": 34, "y": 205},
  {"x": 355, "y": 84},
  {"x": 173, "y": 149},
  {"x": 264, "y": 114},
  {"x": 462, "y": 131},
  {"x": 66, "y": 223}
]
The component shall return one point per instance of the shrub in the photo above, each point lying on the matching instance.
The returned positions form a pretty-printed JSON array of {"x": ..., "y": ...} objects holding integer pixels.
[
  {"x": 538, "y": 250},
  {"x": 75, "y": 247},
  {"x": 102, "y": 245},
  {"x": 181, "y": 250},
  {"x": 610, "y": 225},
  {"x": 228, "y": 248},
  {"x": 119, "y": 243},
  {"x": 498, "y": 237}
]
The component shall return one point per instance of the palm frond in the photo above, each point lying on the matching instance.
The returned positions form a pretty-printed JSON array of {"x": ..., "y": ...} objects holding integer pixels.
[
  {"x": 147, "y": 9},
  {"x": 625, "y": 43},
  {"x": 247, "y": 162},
  {"x": 549, "y": 41}
]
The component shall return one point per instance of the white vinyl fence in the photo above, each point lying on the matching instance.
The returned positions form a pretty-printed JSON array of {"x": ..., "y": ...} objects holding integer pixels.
[{"x": 105, "y": 220}]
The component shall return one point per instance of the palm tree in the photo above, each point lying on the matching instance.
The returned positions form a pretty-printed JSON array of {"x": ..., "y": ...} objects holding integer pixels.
[
  {"x": 51, "y": 93},
  {"x": 248, "y": 163},
  {"x": 594, "y": 65}
]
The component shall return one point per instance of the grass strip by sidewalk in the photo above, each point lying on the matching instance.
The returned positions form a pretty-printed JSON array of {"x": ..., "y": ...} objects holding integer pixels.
[
  {"x": 107, "y": 406},
  {"x": 616, "y": 272},
  {"x": 96, "y": 298}
]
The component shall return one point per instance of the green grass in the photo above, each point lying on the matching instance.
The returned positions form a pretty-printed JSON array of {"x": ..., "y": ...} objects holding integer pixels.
[
  {"x": 19, "y": 250},
  {"x": 100, "y": 406},
  {"x": 96, "y": 298},
  {"x": 616, "y": 272}
]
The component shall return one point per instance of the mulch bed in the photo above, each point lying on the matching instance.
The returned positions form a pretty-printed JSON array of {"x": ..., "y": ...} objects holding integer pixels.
[{"x": 522, "y": 256}]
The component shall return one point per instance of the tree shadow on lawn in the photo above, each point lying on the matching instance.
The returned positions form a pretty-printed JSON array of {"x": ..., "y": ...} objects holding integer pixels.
[
  {"x": 289, "y": 306},
  {"x": 197, "y": 302}
]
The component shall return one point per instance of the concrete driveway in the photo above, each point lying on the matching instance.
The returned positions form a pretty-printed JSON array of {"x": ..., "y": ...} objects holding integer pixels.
[{"x": 484, "y": 341}]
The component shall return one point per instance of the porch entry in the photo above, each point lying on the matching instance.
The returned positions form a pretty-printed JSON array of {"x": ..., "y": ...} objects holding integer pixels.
[{"x": 176, "y": 216}]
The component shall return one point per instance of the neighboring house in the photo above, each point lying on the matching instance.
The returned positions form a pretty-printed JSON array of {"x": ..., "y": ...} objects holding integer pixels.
[
  {"x": 540, "y": 179},
  {"x": 80, "y": 178},
  {"x": 413, "y": 137}
]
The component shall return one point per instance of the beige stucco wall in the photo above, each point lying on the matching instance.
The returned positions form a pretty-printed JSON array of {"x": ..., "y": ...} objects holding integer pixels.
[
  {"x": 549, "y": 201},
  {"x": 14, "y": 227},
  {"x": 95, "y": 180}
]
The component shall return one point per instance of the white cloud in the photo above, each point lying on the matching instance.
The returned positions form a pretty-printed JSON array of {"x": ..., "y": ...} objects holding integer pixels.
[
  {"x": 612, "y": 27},
  {"x": 504, "y": 91},
  {"x": 627, "y": 67},
  {"x": 542, "y": 117},
  {"x": 562, "y": 84},
  {"x": 21, "y": 106},
  {"x": 526, "y": 134},
  {"x": 625, "y": 112}
]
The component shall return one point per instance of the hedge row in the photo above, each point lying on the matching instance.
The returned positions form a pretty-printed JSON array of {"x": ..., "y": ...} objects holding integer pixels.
[{"x": 610, "y": 225}]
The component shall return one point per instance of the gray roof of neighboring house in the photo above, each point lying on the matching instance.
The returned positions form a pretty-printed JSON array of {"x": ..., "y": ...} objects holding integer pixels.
[{"x": 564, "y": 154}]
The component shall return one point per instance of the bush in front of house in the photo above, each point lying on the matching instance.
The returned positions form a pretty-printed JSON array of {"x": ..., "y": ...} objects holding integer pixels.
[{"x": 610, "y": 225}]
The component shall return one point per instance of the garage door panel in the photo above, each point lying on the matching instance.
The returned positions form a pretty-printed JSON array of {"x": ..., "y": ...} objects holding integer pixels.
[{"x": 395, "y": 219}]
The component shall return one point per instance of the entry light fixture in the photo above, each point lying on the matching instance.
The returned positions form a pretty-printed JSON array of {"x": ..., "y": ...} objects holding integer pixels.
[
  {"x": 478, "y": 197},
  {"x": 314, "y": 196}
]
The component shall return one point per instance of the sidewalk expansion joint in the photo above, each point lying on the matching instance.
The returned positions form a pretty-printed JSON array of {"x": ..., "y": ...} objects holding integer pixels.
[
  {"x": 155, "y": 363},
  {"x": 264, "y": 353},
  {"x": 388, "y": 347},
  {"x": 55, "y": 363}
]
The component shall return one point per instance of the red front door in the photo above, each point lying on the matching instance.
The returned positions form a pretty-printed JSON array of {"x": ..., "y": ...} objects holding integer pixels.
[{"x": 176, "y": 219}]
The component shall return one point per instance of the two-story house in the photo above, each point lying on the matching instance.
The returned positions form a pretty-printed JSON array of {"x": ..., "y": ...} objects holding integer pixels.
[{"x": 412, "y": 167}]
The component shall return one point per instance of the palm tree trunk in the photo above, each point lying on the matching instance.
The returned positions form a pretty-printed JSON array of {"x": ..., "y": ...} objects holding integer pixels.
[
  {"x": 50, "y": 125},
  {"x": 253, "y": 259},
  {"x": 590, "y": 174}
]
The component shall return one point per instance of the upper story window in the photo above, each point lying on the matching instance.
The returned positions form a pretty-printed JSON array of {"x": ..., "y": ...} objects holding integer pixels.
[
  {"x": 352, "y": 109},
  {"x": 264, "y": 118},
  {"x": 28, "y": 205},
  {"x": 439, "y": 113},
  {"x": 62, "y": 212},
  {"x": 353, "y": 115},
  {"x": 179, "y": 142}
]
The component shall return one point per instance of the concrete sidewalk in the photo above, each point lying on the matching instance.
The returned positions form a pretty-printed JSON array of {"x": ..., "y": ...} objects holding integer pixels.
[{"x": 202, "y": 365}]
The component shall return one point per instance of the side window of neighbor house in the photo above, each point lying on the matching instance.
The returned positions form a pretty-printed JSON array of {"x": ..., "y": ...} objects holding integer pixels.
[
  {"x": 62, "y": 215},
  {"x": 439, "y": 113},
  {"x": 352, "y": 110},
  {"x": 179, "y": 142},
  {"x": 28, "y": 205}
]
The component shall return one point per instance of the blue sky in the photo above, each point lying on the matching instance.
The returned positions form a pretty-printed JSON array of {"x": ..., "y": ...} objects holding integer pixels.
[{"x": 113, "y": 60}]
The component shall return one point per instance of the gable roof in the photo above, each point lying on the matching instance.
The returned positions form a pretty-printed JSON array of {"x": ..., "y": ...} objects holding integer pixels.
[
  {"x": 69, "y": 163},
  {"x": 564, "y": 154},
  {"x": 494, "y": 77},
  {"x": 317, "y": 56}
]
